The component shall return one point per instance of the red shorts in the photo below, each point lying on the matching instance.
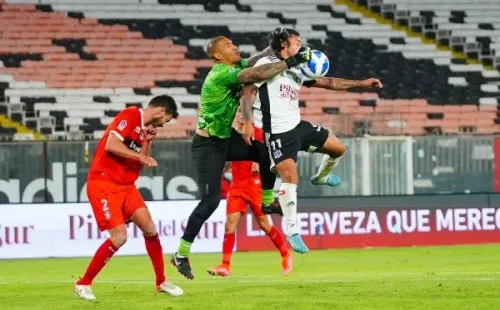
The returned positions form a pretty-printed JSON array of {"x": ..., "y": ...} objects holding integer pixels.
[
  {"x": 239, "y": 199},
  {"x": 113, "y": 204}
]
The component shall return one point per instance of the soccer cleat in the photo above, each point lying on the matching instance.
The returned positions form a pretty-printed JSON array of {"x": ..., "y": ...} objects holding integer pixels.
[
  {"x": 286, "y": 263},
  {"x": 84, "y": 292},
  {"x": 170, "y": 288},
  {"x": 297, "y": 244},
  {"x": 221, "y": 271},
  {"x": 182, "y": 265},
  {"x": 273, "y": 208},
  {"x": 331, "y": 180}
]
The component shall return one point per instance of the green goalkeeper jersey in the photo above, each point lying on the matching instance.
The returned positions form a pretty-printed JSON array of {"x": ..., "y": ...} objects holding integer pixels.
[{"x": 219, "y": 99}]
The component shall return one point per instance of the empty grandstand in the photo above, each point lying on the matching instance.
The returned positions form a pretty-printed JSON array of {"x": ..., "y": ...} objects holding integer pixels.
[{"x": 68, "y": 66}]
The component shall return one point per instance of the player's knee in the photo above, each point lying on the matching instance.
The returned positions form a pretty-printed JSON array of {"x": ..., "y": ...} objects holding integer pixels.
[
  {"x": 118, "y": 238},
  {"x": 150, "y": 229},
  {"x": 205, "y": 208},
  {"x": 232, "y": 221},
  {"x": 335, "y": 148},
  {"x": 263, "y": 223},
  {"x": 230, "y": 227},
  {"x": 211, "y": 200},
  {"x": 288, "y": 172},
  {"x": 338, "y": 150}
]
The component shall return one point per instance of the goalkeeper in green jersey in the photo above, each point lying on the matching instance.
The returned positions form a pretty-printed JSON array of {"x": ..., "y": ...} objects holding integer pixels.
[{"x": 216, "y": 142}]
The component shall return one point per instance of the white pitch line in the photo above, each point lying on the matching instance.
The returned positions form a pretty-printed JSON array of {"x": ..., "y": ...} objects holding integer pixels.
[{"x": 232, "y": 281}]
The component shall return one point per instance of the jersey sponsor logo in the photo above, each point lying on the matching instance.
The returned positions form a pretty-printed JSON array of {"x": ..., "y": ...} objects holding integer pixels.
[
  {"x": 135, "y": 147},
  {"x": 137, "y": 129},
  {"x": 289, "y": 92},
  {"x": 122, "y": 125}
]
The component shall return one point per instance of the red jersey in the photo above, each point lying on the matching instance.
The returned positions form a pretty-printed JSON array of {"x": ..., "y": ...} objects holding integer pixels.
[
  {"x": 242, "y": 175},
  {"x": 129, "y": 128}
]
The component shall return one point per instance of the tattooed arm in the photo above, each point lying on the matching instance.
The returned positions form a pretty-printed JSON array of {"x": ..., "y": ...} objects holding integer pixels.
[
  {"x": 253, "y": 60},
  {"x": 248, "y": 94},
  {"x": 265, "y": 69},
  {"x": 341, "y": 84},
  {"x": 261, "y": 73}
]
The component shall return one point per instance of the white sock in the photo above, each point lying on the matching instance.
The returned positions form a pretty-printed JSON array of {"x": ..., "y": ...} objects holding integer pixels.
[
  {"x": 327, "y": 165},
  {"x": 288, "y": 202}
]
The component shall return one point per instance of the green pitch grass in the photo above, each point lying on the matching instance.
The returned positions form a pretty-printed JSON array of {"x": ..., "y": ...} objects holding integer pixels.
[{"x": 461, "y": 277}]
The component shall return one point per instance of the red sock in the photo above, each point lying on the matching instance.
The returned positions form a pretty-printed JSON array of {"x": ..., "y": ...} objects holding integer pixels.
[
  {"x": 101, "y": 257},
  {"x": 155, "y": 252},
  {"x": 277, "y": 240},
  {"x": 227, "y": 248}
]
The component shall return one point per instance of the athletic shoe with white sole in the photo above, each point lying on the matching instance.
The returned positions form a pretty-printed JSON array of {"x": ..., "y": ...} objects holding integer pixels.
[
  {"x": 84, "y": 292},
  {"x": 170, "y": 288}
]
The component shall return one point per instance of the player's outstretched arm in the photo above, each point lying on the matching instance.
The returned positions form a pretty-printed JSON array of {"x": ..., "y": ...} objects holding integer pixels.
[
  {"x": 253, "y": 60},
  {"x": 115, "y": 145},
  {"x": 342, "y": 84}
]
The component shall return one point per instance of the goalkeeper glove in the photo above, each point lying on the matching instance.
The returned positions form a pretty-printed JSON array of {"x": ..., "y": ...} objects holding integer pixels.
[{"x": 303, "y": 55}]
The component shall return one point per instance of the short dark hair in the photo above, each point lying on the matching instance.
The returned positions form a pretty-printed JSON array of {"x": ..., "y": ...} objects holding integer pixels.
[
  {"x": 167, "y": 102},
  {"x": 280, "y": 35}
]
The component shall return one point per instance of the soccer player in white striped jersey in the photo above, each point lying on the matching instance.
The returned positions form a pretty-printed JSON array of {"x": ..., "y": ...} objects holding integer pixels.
[{"x": 274, "y": 105}]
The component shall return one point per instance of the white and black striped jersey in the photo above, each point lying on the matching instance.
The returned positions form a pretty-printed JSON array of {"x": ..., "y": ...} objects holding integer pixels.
[{"x": 276, "y": 106}]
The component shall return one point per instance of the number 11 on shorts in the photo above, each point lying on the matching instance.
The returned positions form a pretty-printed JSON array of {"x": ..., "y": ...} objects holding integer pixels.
[
  {"x": 274, "y": 143},
  {"x": 276, "y": 150}
]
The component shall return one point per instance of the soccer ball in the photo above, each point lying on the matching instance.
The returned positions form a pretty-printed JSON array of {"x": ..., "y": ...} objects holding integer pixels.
[{"x": 316, "y": 67}]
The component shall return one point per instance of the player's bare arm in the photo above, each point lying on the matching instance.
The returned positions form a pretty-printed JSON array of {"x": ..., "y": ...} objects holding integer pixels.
[
  {"x": 342, "y": 84},
  {"x": 253, "y": 60},
  {"x": 248, "y": 94},
  {"x": 150, "y": 132},
  {"x": 116, "y": 146},
  {"x": 261, "y": 73},
  {"x": 270, "y": 70},
  {"x": 255, "y": 168}
]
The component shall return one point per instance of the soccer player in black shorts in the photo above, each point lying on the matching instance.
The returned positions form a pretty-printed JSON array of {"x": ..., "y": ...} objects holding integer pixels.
[
  {"x": 276, "y": 111},
  {"x": 215, "y": 141}
]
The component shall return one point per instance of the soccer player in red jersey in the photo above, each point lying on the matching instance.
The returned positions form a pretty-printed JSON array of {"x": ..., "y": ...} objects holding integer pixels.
[
  {"x": 246, "y": 189},
  {"x": 121, "y": 153}
]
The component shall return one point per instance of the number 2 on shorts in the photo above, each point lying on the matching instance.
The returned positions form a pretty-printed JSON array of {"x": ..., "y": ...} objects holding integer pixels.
[{"x": 105, "y": 208}]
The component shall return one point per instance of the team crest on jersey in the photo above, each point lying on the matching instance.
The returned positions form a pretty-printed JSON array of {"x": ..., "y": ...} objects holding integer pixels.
[
  {"x": 122, "y": 125},
  {"x": 232, "y": 70}
]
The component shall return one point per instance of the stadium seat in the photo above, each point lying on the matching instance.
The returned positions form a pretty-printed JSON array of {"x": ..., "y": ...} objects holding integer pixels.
[{"x": 71, "y": 65}]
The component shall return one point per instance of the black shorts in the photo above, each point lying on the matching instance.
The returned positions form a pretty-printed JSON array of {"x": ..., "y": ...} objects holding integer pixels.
[
  {"x": 305, "y": 137},
  {"x": 211, "y": 154}
]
